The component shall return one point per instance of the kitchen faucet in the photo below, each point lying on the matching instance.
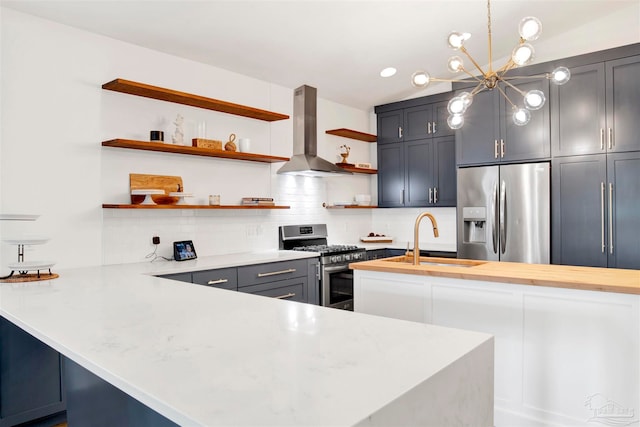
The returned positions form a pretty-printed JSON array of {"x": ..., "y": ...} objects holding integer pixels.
[{"x": 416, "y": 235}]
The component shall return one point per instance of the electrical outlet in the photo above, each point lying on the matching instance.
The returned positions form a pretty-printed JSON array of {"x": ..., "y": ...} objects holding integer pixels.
[{"x": 155, "y": 240}]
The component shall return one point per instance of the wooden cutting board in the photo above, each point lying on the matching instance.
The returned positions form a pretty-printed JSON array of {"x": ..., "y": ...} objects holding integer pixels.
[{"x": 155, "y": 182}]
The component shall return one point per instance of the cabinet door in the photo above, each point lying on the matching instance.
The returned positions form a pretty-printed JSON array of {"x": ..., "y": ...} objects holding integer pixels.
[
  {"x": 478, "y": 136},
  {"x": 390, "y": 175},
  {"x": 419, "y": 185},
  {"x": 578, "y": 113},
  {"x": 269, "y": 272},
  {"x": 417, "y": 123},
  {"x": 531, "y": 141},
  {"x": 440, "y": 114},
  {"x": 390, "y": 127},
  {"x": 444, "y": 171},
  {"x": 579, "y": 216},
  {"x": 623, "y": 199},
  {"x": 623, "y": 104},
  {"x": 30, "y": 377}
]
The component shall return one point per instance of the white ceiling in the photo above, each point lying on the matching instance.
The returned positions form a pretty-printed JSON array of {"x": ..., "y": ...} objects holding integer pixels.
[{"x": 340, "y": 47}]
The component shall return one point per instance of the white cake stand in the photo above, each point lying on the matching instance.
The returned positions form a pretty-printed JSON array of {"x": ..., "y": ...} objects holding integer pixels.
[
  {"x": 23, "y": 267},
  {"x": 181, "y": 195},
  {"x": 147, "y": 193}
]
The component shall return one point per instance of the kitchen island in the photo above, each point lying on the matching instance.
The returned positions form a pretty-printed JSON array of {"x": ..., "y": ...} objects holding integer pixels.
[
  {"x": 198, "y": 356},
  {"x": 567, "y": 339}
]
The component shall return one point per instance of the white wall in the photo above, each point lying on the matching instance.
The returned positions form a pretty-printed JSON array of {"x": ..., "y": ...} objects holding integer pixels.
[{"x": 55, "y": 114}]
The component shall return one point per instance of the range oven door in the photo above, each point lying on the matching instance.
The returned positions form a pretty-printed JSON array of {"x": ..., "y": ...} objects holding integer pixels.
[{"x": 337, "y": 287}]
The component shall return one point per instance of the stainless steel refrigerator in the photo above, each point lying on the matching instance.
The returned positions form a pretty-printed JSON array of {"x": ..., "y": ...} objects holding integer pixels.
[{"x": 504, "y": 213}]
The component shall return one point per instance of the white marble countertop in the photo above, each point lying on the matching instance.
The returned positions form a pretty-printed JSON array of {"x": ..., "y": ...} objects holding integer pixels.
[{"x": 202, "y": 356}]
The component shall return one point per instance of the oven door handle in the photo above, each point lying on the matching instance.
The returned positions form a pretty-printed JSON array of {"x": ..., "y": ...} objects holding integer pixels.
[{"x": 334, "y": 268}]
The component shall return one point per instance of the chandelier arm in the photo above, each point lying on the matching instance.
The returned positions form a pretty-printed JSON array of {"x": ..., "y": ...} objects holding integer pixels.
[
  {"x": 434, "y": 79},
  {"x": 520, "y": 91},
  {"x": 476, "y": 78},
  {"x": 538, "y": 76},
  {"x": 479, "y": 88},
  {"x": 510, "y": 65},
  {"x": 463, "y": 50},
  {"x": 507, "y": 98}
]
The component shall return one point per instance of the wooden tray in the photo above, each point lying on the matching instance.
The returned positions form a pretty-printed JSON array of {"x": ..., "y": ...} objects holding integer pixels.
[{"x": 161, "y": 182}]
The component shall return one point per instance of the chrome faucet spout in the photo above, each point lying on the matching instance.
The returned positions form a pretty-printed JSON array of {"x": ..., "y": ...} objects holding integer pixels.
[{"x": 416, "y": 235}]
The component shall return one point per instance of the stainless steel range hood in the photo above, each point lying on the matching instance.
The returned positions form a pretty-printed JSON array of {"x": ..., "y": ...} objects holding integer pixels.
[{"x": 305, "y": 160}]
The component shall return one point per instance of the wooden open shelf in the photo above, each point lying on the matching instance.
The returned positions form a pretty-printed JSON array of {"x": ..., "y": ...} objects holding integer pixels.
[
  {"x": 194, "y": 151},
  {"x": 351, "y": 168},
  {"x": 155, "y": 92},
  {"x": 353, "y": 134},
  {"x": 129, "y": 206}
]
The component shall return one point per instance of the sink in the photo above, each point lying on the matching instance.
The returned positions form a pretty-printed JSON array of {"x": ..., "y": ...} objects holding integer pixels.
[{"x": 436, "y": 262}]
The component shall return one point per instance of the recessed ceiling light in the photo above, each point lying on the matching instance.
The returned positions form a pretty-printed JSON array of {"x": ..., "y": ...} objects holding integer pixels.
[{"x": 388, "y": 72}]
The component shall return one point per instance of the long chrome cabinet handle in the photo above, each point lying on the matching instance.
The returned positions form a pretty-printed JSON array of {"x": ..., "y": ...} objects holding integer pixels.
[
  {"x": 503, "y": 217},
  {"x": 430, "y": 198},
  {"x": 611, "y": 142},
  {"x": 403, "y": 197},
  {"x": 610, "y": 218},
  {"x": 429, "y": 128},
  {"x": 435, "y": 194},
  {"x": 433, "y": 127},
  {"x": 217, "y": 282},
  {"x": 289, "y": 295},
  {"x": 495, "y": 148},
  {"x": 502, "y": 150},
  {"x": 602, "y": 216},
  {"x": 275, "y": 273},
  {"x": 602, "y": 138},
  {"x": 399, "y": 131}
]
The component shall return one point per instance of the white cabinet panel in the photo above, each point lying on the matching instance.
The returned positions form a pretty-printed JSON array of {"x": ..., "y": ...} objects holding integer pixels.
[
  {"x": 391, "y": 295},
  {"x": 577, "y": 347},
  {"x": 483, "y": 308}
]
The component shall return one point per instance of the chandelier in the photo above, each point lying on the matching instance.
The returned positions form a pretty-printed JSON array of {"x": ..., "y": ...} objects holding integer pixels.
[{"x": 529, "y": 29}]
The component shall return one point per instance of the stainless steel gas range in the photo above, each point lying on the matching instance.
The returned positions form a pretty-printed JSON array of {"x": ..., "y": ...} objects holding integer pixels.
[{"x": 336, "y": 279}]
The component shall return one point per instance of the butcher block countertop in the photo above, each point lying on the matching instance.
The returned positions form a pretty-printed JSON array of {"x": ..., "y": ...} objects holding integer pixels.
[{"x": 558, "y": 276}]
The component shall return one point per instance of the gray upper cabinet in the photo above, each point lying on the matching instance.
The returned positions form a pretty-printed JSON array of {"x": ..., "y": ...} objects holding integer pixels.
[
  {"x": 489, "y": 135},
  {"x": 390, "y": 126},
  {"x": 595, "y": 202},
  {"x": 597, "y": 110},
  {"x": 578, "y": 118},
  {"x": 623, "y": 104},
  {"x": 426, "y": 121}
]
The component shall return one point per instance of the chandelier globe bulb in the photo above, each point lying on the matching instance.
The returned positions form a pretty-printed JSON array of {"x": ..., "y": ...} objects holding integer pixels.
[
  {"x": 420, "y": 79},
  {"x": 467, "y": 99},
  {"x": 530, "y": 28},
  {"x": 456, "y": 105},
  {"x": 522, "y": 54},
  {"x": 455, "y": 64},
  {"x": 521, "y": 116},
  {"x": 456, "y": 40},
  {"x": 560, "y": 76},
  {"x": 455, "y": 121},
  {"x": 534, "y": 100}
]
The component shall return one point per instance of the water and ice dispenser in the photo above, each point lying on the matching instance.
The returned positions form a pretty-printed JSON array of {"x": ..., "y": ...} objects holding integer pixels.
[{"x": 475, "y": 224}]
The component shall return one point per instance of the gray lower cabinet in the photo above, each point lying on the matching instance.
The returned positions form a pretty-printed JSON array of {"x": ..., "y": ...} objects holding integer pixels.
[
  {"x": 595, "y": 217},
  {"x": 31, "y": 385},
  {"x": 295, "y": 280},
  {"x": 180, "y": 277},
  {"x": 377, "y": 254}
]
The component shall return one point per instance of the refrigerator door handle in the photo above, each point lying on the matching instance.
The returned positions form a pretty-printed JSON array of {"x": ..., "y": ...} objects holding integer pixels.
[
  {"x": 610, "y": 218},
  {"x": 602, "y": 216},
  {"x": 503, "y": 217},
  {"x": 494, "y": 226}
]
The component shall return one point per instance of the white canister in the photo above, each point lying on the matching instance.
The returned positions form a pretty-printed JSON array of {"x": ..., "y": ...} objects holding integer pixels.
[{"x": 244, "y": 145}]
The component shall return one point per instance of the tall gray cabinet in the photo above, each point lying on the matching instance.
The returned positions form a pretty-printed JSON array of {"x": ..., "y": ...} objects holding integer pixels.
[
  {"x": 595, "y": 132},
  {"x": 416, "y": 154}
]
